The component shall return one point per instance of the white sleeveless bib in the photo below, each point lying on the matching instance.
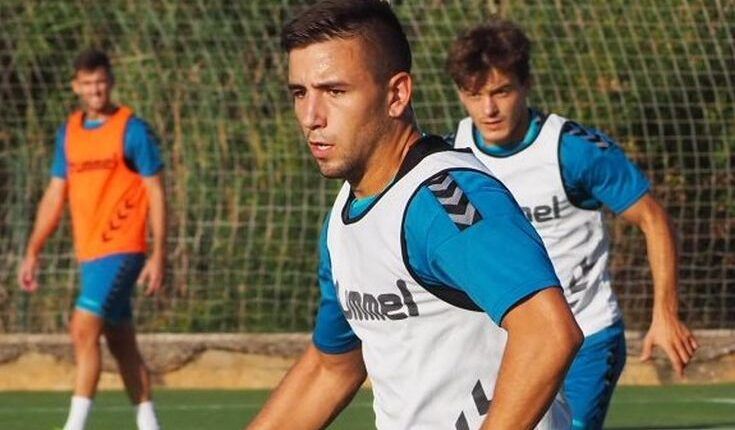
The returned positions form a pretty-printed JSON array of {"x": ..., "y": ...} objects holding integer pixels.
[
  {"x": 576, "y": 239},
  {"x": 432, "y": 365}
]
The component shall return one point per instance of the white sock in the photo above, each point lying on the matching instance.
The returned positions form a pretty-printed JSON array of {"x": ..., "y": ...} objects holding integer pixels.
[
  {"x": 146, "y": 416},
  {"x": 78, "y": 413}
]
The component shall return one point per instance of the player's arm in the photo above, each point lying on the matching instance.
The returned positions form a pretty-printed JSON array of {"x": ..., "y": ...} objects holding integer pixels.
[
  {"x": 313, "y": 392},
  {"x": 48, "y": 215},
  {"x": 143, "y": 153},
  {"x": 155, "y": 267},
  {"x": 327, "y": 376},
  {"x": 500, "y": 262},
  {"x": 543, "y": 338},
  {"x": 666, "y": 331},
  {"x": 604, "y": 173}
]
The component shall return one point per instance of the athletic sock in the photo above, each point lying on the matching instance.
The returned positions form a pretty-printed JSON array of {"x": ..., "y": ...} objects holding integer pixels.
[
  {"x": 78, "y": 413},
  {"x": 146, "y": 416}
]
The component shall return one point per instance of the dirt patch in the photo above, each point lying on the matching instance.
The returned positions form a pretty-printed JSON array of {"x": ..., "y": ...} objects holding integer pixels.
[{"x": 243, "y": 361}]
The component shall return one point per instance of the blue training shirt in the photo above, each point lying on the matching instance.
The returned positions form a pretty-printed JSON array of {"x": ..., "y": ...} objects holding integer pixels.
[
  {"x": 497, "y": 262},
  {"x": 141, "y": 150},
  {"x": 593, "y": 175}
]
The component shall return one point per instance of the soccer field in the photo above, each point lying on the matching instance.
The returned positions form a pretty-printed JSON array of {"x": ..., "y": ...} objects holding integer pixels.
[{"x": 679, "y": 407}]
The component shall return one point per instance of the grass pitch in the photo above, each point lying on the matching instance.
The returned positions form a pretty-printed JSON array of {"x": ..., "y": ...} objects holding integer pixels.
[{"x": 671, "y": 407}]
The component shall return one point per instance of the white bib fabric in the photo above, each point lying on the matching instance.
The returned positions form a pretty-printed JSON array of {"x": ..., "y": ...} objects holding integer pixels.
[
  {"x": 432, "y": 365},
  {"x": 576, "y": 239}
]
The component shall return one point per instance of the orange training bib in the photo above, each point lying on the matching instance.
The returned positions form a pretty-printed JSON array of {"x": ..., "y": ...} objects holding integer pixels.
[{"x": 108, "y": 201}]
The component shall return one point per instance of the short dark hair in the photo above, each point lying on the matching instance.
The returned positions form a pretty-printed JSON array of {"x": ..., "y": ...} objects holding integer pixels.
[
  {"x": 92, "y": 59},
  {"x": 498, "y": 44},
  {"x": 371, "y": 20}
]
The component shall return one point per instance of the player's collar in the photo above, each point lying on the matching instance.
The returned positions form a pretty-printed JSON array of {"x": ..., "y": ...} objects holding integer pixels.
[
  {"x": 426, "y": 145},
  {"x": 534, "y": 128}
]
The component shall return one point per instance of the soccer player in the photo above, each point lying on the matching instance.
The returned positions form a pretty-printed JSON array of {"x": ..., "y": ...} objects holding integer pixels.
[
  {"x": 423, "y": 255},
  {"x": 107, "y": 164},
  {"x": 562, "y": 174}
]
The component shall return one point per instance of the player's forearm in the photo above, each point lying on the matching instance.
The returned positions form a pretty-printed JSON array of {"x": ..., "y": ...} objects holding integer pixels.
[
  {"x": 313, "y": 392},
  {"x": 542, "y": 342},
  {"x": 49, "y": 213},
  {"x": 661, "y": 249}
]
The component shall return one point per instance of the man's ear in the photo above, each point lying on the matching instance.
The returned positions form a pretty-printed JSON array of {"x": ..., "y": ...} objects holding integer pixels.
[
  {"x": 75, "y": 86},
  {"x": 400, "y": 90}
]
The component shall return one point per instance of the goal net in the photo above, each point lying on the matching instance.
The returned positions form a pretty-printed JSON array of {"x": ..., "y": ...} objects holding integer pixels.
[{"x": 246, "y": 202}]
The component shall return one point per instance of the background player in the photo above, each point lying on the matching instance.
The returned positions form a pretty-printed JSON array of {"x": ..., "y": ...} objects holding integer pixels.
[
  {"x": 400, "y": 302},
  {"x": 107, "y": 163},
  {"x": 562, "y": 174}
]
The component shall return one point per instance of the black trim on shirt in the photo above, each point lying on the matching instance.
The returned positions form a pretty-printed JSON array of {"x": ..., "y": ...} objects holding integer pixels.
[
  {"x": 424, "y": 146},
  {"x": 564, "y": 128},
  {"x": 447, "y": 294}
]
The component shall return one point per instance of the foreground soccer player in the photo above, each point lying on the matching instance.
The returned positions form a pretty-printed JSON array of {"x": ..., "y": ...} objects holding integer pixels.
[
  {"x": 402, "y": 302},
  {"x": 562, "y": 174},
  {"x": 107, "y": 163}
]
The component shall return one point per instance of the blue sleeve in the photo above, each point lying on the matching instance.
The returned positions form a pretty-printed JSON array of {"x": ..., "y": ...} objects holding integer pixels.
[
  {"x": 596, "y": 171},
  {"x": 58, "y": 168},
  {"x": 497, "y": 261},
  {"x": 141, "y": 148},
  {"x": 332, "y": 333}
]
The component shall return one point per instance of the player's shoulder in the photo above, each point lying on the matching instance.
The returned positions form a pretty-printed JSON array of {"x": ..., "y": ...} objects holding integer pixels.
[
  {"x": 137, "y": 124},
  {"x": 585, "y": 139},
  {"x": 469, "y": 180},
  {"x": 139, "y": 132},
  {"x": 463, "y": 197}
]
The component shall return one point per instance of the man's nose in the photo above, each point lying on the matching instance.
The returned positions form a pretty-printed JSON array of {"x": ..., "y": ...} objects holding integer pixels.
[
  {"x": 314, "y": 115},
  {"x": 489, "y": 107}
]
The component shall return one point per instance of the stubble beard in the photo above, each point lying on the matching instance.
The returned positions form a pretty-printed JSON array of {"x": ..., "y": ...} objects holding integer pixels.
[
  {"x": 346, "y": 169},
  {"x": 353, "y": 165}
]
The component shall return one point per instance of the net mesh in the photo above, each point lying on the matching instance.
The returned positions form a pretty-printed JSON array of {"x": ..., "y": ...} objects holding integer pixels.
[{"x": 246, "y": 203}]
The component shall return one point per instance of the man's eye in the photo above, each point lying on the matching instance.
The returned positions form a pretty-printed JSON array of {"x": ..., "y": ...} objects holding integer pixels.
[
  {"x": 335, "y": 92},
  {"x": 297, "y": 94}
]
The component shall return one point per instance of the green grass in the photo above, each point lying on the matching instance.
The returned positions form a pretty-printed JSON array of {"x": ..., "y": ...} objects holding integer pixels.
[{"x": 676, "y": 407}]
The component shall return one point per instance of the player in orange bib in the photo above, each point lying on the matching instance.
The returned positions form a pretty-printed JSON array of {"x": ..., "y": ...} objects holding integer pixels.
[{"x": 108, "y": 166}]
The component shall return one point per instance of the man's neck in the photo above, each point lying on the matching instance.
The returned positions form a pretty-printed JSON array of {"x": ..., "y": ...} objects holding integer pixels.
[
  {"x": 99, "y": 115},
  {"x": 531, "y": 130},
  {"x": 385, "y": 162}
]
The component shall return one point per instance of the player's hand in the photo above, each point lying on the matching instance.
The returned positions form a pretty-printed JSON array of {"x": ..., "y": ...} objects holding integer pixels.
[
  {"x": 152, "y": 274},
  {"x": 27, "y": 274},
  {"x": 674, "y": 337}
]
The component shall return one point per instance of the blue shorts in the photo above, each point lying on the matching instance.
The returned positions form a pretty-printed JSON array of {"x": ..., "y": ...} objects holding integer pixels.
[
  {"x": 108, "y": 284},
  {"x": 593, "y": 375}
]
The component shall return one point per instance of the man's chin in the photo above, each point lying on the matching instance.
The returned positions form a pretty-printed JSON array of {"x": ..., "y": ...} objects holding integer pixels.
[
  {"x": 329, "y": 171},
  {"x": 331, "y": 175},
  {"x": 95, "y": 108}
]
